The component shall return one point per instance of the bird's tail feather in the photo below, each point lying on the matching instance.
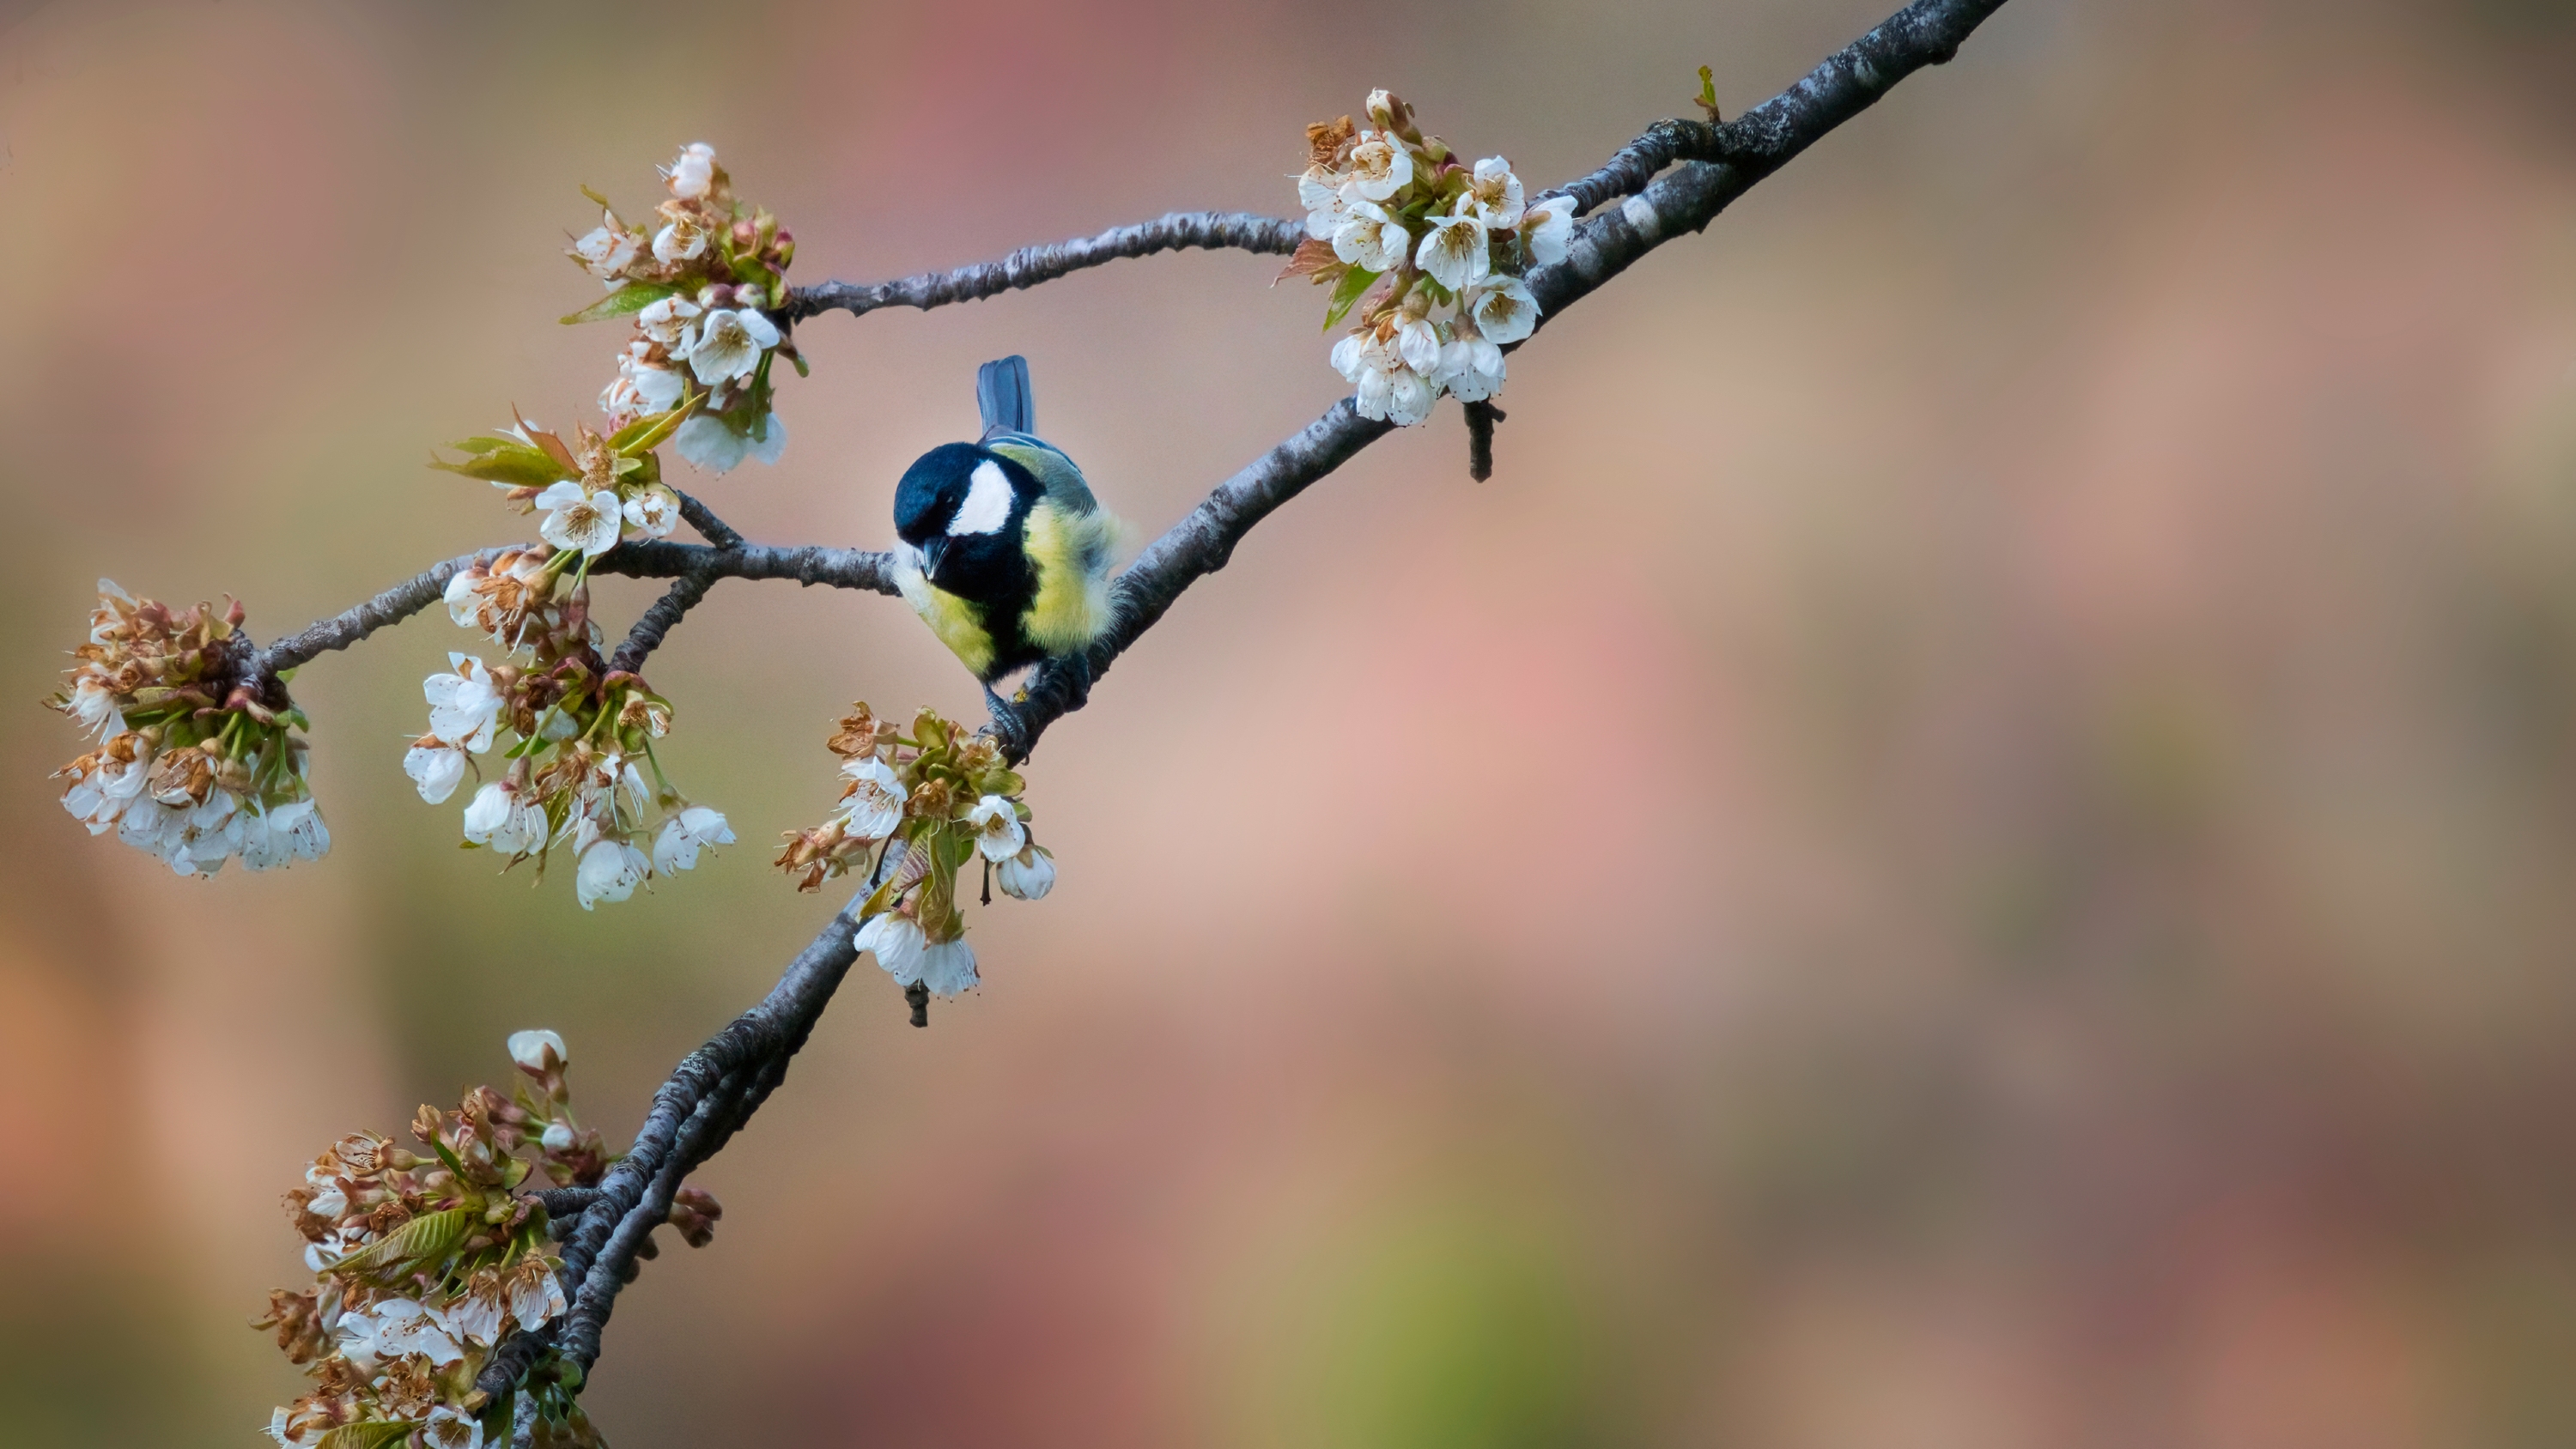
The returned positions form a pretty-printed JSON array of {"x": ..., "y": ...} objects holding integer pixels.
[{"x": 1002, "y": 394}]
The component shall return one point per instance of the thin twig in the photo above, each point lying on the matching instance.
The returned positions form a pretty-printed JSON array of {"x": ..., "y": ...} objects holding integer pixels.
[
  {"x": 1481, "y": 417},
  {"x": 711, "y": 528},
  {"x": 1027, "y": 267},
  {"x": 840, "y": 568},
  {"x": 658, "y": 620}
]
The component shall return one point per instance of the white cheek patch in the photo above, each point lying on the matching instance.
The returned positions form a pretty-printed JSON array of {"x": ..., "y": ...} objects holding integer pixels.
[{"x": 988, "y": 502}]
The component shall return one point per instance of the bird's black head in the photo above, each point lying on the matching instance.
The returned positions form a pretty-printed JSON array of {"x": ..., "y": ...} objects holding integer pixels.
[{"x": 958, "y": 499}]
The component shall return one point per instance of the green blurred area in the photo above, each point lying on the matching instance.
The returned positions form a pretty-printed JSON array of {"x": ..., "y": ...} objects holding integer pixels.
[{"x": 1966, "y": 846}]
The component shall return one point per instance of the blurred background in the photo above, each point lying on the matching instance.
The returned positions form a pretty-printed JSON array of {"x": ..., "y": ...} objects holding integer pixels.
[{"x": 1969, "y": 845}]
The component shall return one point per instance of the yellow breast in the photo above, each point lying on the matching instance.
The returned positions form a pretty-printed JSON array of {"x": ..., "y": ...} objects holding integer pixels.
[
  {"x": 958, "y": 623},
  {"x": 1070, "y": 553}
]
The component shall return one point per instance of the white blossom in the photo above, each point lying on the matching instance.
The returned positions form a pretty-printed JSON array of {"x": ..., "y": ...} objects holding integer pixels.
[
  {"x": 728, "y": 343},
  {"x": 464, "y": 706},
  {"x": 898, "y": 944},
  {"x": 654, "y": 512},
  {"x": 1502, "y": 309},
  {"x": 875, "y": 800},
  {"x": 449, "y": 1428},
  {"x": 610, "y": 869},
  {"x": 1418, "y": 343},
  {"x": 948, "y": 967},
  {"x": 681, "y": 239},
  {"x": 503, "y": 819},
  {"x": 535, "y": 1294},
  {"x": 667, "y": 321},
  {"x": 262, "y": 847},
  {"x": 437, "y": 768},
  {"x": 1027, "y": 876},
  {"x": 1471, "y": 368},
  {"x": 1454, "y": 252},
  {"x": 693, "y": 174},
  {"x": 1395, "y": 393},
  {"x": 1370, "y": 239},
  {"x": 1381, "y": 166},
  {"x": 1319, "y": 191},
  {"x": 557, "y": 1137},
  {"x": 538, "y": 1050},
  {"x": 608, "y": 251},
  {"x": 94, "y": 706},
  {"x": 643, "y": 385},
  {"x": 297, "y": 1433},
  {"x": 998, "y": 831},
  {"x": 307, "y": 837},
  {"x": 580, "y": 520},
  {"x": 394, "y": 1327},
  {"x": 1495, "y": 193},
  {"x": 475, "y": 1315},
  {"x": 1548, "y": 227},
  {"x": 675, "y": 849}
]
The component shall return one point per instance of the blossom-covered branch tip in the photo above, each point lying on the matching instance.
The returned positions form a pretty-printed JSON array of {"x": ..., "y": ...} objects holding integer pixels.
[
  {"x": 1430, "y": 251},
  {"x": 705, "y": 280},
  {"x": 196, "y": 764}
]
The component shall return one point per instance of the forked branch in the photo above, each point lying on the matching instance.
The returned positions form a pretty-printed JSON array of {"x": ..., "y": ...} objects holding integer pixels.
[
  {"x": 1676, "y": 178},
  {"x": 1673, "y": 179}
]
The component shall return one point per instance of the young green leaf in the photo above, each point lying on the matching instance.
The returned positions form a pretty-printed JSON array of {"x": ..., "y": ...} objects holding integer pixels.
[
  {"x": 631, "y": 298},
  {"x": 1345, "y": 293}
]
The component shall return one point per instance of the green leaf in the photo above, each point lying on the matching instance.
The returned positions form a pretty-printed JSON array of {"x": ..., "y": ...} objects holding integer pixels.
[
  {"x": 799, "y": 361},
  {"x": 646, "y": 433},
  {"x": 423, "y": 1239},
  {"x": 631, "y": 298},
  {"x": 1346, "y": 293},
  {"x": 519, "y": 467}
]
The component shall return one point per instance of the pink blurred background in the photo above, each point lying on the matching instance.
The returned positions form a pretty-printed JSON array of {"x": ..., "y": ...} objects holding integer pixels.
[{"x": 1968, "y": 846}]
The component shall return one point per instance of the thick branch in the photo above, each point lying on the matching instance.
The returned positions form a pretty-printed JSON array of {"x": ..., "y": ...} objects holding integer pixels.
[{"x": 1031, "y": 265}]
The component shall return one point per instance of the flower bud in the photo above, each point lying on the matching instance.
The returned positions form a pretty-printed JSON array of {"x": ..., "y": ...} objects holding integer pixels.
[{"x": 537, "y": 1052}]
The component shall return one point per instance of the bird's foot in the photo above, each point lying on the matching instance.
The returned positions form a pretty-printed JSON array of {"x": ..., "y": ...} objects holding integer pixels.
[
  {"x": 1072, "y": 681},
  {"x": 1008, "y": 726}
]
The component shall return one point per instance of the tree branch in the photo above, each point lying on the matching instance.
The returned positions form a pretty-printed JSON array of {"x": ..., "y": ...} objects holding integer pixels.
[
  {"x": 1029, "y": 266},
  {"x": 716, "y": 1088},
  {"x": 1684, "y": 199},
  {"x": 840, "y": 568},
  {"x": 711, "y": 528}
]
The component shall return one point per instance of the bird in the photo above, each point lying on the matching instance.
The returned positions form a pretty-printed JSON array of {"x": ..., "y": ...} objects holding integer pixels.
[{"x": 1002, "y": 550}]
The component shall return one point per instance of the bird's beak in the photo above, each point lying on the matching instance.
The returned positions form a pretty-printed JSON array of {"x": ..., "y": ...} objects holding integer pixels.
[{"x": 930, "y": 553}]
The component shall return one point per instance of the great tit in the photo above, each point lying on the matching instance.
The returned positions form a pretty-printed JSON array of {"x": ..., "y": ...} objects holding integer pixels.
[{"x": 1003, "y": 551}]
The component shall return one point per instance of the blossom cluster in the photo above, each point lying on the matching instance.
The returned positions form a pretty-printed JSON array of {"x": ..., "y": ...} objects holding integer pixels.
[
  {"x": 577, "y": 736},
  {"x": 700, "y": 279},
  {"x": 1431, "y": 251},
  {"x": 193, "y": 766},
  {"x": 596, "y": 492},
  {"x": 424, "y": 1263},
  {"x": 916, "y": 809}
]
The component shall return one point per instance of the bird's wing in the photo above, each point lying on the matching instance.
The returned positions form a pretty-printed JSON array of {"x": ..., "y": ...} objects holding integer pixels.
[
  {"x": 1065, "y": 486},
  {"x": 1002, "y": 394}
]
